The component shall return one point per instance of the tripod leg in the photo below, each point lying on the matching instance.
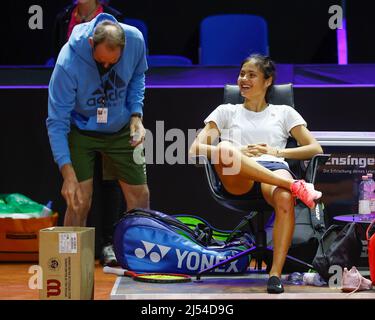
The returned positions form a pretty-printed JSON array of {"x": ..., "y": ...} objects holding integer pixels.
[
  {"x": 263, "y": 255},
  {"x": 300, "y": 263},
  {"x": 294, "y": 263},
  {"x": 230, "y": 259},
  {"x": 259, "y": 261}
]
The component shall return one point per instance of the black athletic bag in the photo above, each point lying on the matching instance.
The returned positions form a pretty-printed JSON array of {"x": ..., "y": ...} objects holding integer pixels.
[{"x": 339, "y": 245}]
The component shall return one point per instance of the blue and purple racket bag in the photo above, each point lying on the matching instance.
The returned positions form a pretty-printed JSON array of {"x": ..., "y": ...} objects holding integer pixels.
[{"x": 151, "y": 241}]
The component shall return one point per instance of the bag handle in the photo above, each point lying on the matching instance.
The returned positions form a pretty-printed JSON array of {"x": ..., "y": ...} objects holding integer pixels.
[
  {"x": 318, "y": 224},
  {"x": 325, "y": 234},
  {"x": 323, "y": 250},
  {"x": 21, "y": 236},
  {"x": 202, "y": 236},
  {"x": 166, "y": 219}
]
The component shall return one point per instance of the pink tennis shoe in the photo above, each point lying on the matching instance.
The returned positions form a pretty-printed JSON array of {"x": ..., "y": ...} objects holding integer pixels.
[
  {"x": 305, "y": 192},
  {"x": 353, "y": 281}
]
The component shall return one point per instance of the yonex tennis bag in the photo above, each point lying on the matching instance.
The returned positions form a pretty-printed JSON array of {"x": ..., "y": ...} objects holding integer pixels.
[{"x": 151, "y": 241}]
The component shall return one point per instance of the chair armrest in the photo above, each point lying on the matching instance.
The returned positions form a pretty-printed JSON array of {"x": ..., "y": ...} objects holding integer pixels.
[
  {"x": 212, "y": 178},
  {"x": 312, "y": 168},
  {"x": 199, "y": 160}
]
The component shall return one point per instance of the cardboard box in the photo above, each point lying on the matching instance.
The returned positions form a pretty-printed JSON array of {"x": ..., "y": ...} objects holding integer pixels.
[{"x": 66, "y": 256}]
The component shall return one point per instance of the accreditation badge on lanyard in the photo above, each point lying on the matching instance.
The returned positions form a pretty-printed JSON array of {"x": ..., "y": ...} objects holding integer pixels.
[{"x": 102, "y": 115}]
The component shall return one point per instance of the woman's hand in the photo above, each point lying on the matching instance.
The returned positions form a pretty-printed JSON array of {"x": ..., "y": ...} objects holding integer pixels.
[
  {"x": 256, "y": 150},
  {"x": 247, "y": 151}
]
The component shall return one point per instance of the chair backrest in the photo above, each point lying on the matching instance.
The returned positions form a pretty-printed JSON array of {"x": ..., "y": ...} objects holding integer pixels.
[
  {"x": 279, "y": 94},
  {"x": 228, "y": 39},
  {"x": 140, "y": 25},
  {"x": 168, "y": 61}
]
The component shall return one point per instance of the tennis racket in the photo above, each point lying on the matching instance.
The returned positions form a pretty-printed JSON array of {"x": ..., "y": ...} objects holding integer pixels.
[{"x": 149, "y": 277}]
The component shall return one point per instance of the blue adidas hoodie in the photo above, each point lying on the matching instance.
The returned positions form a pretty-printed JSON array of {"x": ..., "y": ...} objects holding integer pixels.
[{"x": 76, "y": 88}]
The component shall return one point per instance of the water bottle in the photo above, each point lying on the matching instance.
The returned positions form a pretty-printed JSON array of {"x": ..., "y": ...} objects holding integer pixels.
[
  {"x": 364, "y": 196},
  {"x": 295, "y": 278},
  {"x": 47, "y": 210},
  {"x": 313, "y": 279},
  {"x": 372, "y": 192}
]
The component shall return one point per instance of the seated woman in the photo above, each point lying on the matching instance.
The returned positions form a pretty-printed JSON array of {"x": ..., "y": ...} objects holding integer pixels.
[{"x": 252, "y": 150}]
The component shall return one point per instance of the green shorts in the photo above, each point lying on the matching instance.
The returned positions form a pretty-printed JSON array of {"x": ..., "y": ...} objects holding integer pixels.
[{"x": 121, "y": 161}]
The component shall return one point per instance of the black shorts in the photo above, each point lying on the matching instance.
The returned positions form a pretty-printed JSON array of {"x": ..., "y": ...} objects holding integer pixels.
[
  {"x": 274, "y": 165},
  {"x": 256, "y": 190}
]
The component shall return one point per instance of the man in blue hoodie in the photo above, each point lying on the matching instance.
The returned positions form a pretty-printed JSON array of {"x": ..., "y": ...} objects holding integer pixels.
[{"x": 95, "y": 104}]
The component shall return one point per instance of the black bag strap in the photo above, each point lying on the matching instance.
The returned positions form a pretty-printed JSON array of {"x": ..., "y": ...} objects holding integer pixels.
[
  {"x": 332, "y": 228},
  {"x": 238, "y": 231},
  {"x": 317, "y": 220},
  {"x": 203, "y": 233}
]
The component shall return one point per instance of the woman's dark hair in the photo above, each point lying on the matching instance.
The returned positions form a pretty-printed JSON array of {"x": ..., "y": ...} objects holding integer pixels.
[{"x": 265, "y": 65}]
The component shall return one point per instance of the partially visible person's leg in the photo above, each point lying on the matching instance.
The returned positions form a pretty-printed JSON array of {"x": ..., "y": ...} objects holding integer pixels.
[
  {"x": 137, "y": 196},
  {"x": 129, "y": 163},
  {"x": 107, "y": 207},
  {"x": 113, "y": 202},
  {"x": 235, "y": 184},
  {"x": 78, "y": 217},
  {"x": 113, "y": 207},
  {"x": 283, "y": 203},
  {"x": 82, "y": 156},
  {"x": 129, "y": 167},
  {"x": 230, "y": 157}
]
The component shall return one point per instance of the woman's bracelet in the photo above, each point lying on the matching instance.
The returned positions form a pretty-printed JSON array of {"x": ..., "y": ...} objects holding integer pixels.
[{"x": 277, "y": 153}]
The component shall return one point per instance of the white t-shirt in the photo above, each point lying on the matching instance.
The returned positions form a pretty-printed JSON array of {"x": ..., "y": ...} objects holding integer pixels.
[{"x": 241, "y": 126}]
